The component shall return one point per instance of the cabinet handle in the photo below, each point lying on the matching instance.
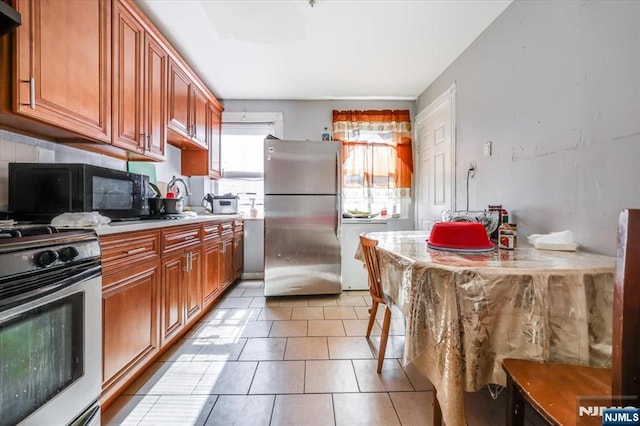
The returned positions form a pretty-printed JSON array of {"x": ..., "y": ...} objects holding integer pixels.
[
  {"x": 32, "y": 93},
  {"x": 186, "y": 267},
  {"x": 135, "y": 251},
  {"x": 190, "y": 261}
]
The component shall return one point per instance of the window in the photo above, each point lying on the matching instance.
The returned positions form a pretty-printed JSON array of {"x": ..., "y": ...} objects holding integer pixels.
[
  {"x": 377, "y": 160},
  {"x": 242, "y": 142}
]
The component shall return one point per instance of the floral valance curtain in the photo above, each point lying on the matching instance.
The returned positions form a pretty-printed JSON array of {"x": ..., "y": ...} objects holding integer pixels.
[{"x": 376, "y": 147}]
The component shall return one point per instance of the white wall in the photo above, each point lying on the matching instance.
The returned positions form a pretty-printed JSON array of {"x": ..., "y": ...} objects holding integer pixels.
[{"x": 556, "y": 87}]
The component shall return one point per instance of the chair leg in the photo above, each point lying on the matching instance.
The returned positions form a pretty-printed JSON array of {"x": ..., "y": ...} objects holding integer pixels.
[
  {"x": 372, "y": 317},
  {"x": 383, "y": 337},
  {"x": 437, "y": 411},
  {"x": 515, "y": 404}
]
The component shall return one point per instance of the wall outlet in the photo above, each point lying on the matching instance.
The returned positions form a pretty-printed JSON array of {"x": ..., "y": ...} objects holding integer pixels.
[
  {"x": 472, "y": 169},
  {"x": 487, "y": 149}
]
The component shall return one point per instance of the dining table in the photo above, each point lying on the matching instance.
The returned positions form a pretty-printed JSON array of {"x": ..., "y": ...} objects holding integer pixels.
[{"x": 465, "y": 311}]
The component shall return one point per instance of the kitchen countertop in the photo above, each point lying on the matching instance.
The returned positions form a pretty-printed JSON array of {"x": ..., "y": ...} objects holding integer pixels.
[{"x": 142, "y": 225}]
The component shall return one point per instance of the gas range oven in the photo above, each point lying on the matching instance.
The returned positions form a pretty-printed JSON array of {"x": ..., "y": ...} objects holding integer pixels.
[{"x": 50, "y": 326}]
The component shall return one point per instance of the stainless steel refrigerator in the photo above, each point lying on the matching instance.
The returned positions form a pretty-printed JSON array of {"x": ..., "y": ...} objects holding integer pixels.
[{"x": 302, "y": 217}]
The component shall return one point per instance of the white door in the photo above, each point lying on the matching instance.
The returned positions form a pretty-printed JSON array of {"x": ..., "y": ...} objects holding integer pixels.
[{"x": 435, "y": 176}]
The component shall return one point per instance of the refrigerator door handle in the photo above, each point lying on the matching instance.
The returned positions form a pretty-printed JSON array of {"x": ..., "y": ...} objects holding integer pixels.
[{"x": 338, "y": 196}]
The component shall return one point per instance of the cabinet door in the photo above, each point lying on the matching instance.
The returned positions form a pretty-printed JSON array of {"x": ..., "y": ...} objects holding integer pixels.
[
  {"x": 227, "y": 254},
  {"x": 155, "y": 111},
  {"x": 194, "y": 284},
  {"x": 211, "y": 272},
  {"x": 130, "y": 320},
  {"x": 238, "y": 255},
  {"x": 63, "y": 68},
  {"x": 173, "y": 279},
  {"x": 199, "y": 119},
  {"x": 128, "y": 36},
  {"x": 214, "y": 143},
  {"x": 179, "y": 101}
]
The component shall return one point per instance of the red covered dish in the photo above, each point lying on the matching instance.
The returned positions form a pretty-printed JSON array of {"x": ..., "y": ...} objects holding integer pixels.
[{"x": 459, "y": 236}]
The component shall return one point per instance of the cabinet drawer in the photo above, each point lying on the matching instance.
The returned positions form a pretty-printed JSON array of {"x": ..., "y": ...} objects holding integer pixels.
[
  {"x": 180, "y": 237},
  {"x": 128, "y": 249},
  {"x": 238, "y": 226},
  {"x": 211, "y": 231},
  {"x": 226, "y": 228}
]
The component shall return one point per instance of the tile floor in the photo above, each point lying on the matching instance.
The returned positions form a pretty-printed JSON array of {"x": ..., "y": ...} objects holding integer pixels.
[{"x": 287, "y": 361}]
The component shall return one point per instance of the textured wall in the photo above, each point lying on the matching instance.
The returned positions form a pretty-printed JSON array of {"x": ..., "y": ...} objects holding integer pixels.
[{"x": 556, "y": 87}]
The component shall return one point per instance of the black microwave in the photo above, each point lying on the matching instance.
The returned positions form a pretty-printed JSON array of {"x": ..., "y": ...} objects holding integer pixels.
[{"x": 41, "y": 191}]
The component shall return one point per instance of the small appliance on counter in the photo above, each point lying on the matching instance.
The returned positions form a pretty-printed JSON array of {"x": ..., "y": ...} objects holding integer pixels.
[{"x": 221, "y": 204}]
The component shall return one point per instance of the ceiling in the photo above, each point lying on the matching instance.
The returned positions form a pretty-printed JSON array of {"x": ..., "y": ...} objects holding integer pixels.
[{"x": 337, "y": 49}]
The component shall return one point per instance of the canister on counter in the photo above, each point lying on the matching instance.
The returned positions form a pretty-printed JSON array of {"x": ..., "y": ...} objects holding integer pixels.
[{"x": 507, "y": 233}]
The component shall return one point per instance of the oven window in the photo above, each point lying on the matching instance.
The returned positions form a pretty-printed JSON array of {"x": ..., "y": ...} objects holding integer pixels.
[
  {"x": 112, "y": 194},
  {"x": 41, "y": 353}
]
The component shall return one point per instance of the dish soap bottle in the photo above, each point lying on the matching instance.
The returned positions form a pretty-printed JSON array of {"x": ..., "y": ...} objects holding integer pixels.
[
  {"x": 253, "y": 212},
  {"x": 507, "y": 233},
  {"x": 326, "y": 135}
]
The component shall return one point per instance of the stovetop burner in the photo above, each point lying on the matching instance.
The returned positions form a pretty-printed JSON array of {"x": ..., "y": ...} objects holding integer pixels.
[{"x": 19, "y": 231}]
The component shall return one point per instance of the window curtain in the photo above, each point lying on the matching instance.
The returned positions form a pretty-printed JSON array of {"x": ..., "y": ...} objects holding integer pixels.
[{"x": 376, "y": 148}]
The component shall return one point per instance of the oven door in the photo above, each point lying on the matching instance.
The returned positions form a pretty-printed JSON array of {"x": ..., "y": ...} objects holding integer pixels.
[{"x": 51, "y": 356}]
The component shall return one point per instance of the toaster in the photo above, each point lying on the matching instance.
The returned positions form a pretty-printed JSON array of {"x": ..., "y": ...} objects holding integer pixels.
[{"x": 221, "y": 204}]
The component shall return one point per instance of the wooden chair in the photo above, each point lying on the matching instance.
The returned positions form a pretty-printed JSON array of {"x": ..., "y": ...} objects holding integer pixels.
[
  {"x": 551, "y": 389},
  {"x": 372, "y": 262}
]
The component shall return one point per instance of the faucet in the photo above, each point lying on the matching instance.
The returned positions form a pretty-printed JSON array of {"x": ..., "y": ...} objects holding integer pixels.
[{"x": 175, "y": 180}]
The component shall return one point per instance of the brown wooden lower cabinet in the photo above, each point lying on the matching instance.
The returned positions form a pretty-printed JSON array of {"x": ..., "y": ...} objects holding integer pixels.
[
  {"x": 148, "y": 305},
  {"x": 130, "y": 323}
]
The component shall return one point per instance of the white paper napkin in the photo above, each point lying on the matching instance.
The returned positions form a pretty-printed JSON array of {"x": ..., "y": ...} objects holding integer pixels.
[{"x": 562, "y": 240}]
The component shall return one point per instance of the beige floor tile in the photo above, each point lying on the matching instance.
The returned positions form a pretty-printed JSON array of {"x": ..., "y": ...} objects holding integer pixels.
[
  {"x": 274, "y": 377},
  {"x": 363, "y": 312},
  {"x": 396, "y": 327},
  {"x": 276, "y": 314},
  {"x": 235, "y": 302},
  {"x": 213, "y": 330},
  {"x": 288, "y": 329},
  {"x": 351, "y": 301},
  {"x": 216, "y": 314},
  {"x": 349, "y": 348},
  {"x": 359, "y": 327},
  {"x": 392, "y": 378},
  {"x": 166, "y": 378},
  {"x": 253, "y": 292},
  {"x": 413, "y": 408},
  {"x": 330, "y": 376},
  {"x": 242, "y": 410},
  {"x": 256, "y": 329},
  {"x": 172, "y": 410},
  {"x": 366, "y": 409},
  {"x": 182, "y": 350},
  {"x": 323, "y": 300},
  {"x": 128, "y": 410},
  {"x": 218, "y": 349},
  {"x": 339, "y": 312},
  {"x": 250, "y": 284},
  {"x": 290, "y": 301},
  {"x": 235, "y": 292},
  {"x": 242, "y": 314},
  {"x": 260, "y": 349},
  {"x": 394, "y": 349},
  {"x": 307, "y": 410},
  {"x": 307, "y": 313},
  {"x": 364, "y": 293},
  {"x": 417, "y": 379},
  {"x": 306, "y": 348},
  {"x": 259, "y": 302},
  {"x": 227, "y": 378},
  {"x": 325, "y": 328}
]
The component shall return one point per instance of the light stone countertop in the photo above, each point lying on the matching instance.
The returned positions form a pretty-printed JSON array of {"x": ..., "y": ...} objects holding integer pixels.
[{"x": 142, "y": 225}]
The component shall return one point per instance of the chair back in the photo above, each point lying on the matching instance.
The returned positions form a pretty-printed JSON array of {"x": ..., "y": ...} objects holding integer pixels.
[
  {"x": 626, "y": 307},
  {"x": 372, "y": 261}
]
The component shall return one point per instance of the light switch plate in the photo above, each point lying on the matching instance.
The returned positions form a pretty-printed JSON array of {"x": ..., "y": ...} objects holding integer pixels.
[{"x": 487, "y": 149}]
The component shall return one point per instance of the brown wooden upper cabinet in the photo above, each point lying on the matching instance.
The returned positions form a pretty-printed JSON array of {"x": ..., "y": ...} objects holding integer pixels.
[
  {"x": 62, "y": 69},
  {"x": 140, "y": 86},
  {"x": 187, "y": 111},
  {"x": 206, "y": 163}
]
